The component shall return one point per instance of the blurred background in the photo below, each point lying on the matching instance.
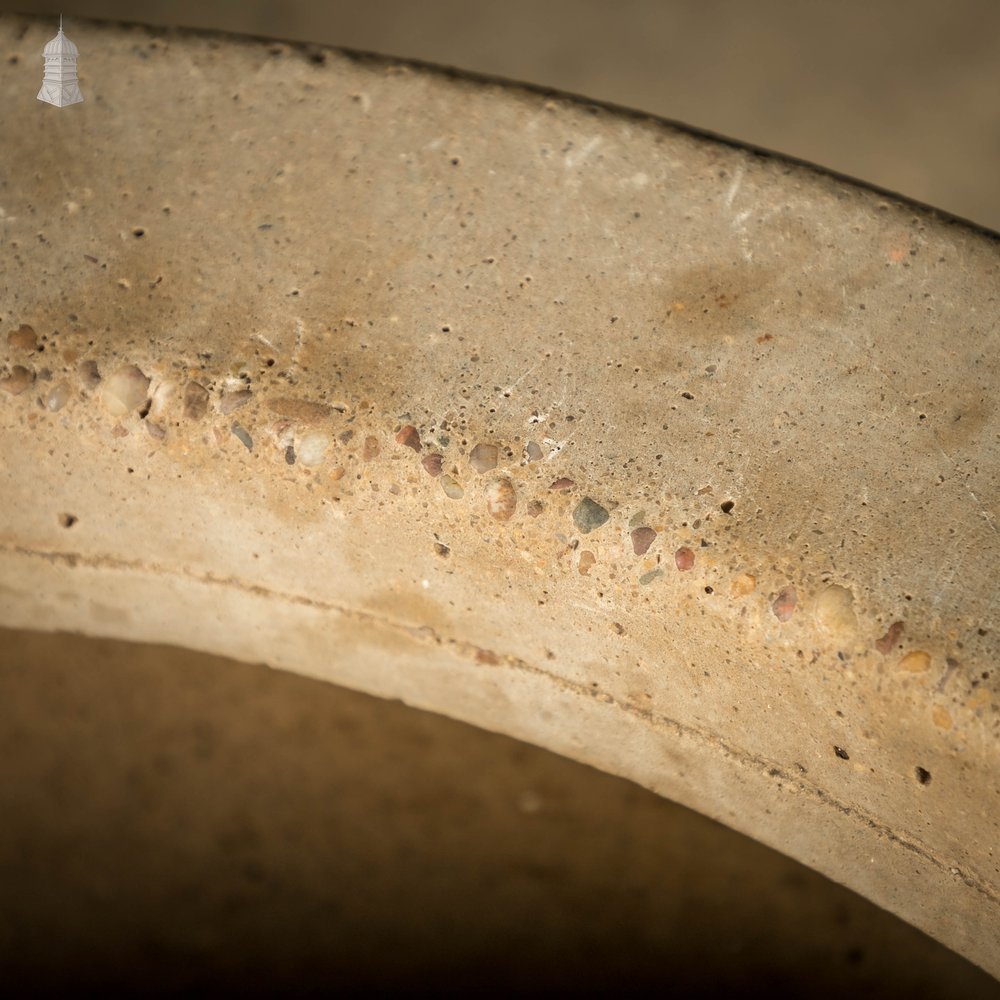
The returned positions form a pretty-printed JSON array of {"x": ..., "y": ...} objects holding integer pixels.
[
  {"x": 904, "y": 95},
  {"x": 173, "y": 821}
]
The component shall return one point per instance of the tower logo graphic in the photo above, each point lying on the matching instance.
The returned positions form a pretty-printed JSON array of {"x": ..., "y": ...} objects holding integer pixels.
[{"x": 59, "y": 85}]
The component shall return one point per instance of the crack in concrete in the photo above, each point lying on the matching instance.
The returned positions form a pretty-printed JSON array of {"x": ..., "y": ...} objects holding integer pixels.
[{"x": 471, "y": 651}]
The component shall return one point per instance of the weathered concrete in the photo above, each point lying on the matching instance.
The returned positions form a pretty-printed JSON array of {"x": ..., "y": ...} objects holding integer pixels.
[{"x": 261, "y": 305}]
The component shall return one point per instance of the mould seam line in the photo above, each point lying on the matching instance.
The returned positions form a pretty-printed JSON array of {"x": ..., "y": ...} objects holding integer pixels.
[{"x": 468, "y": 650}]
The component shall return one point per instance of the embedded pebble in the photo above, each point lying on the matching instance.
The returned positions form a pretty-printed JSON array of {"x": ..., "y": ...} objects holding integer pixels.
[
  {"x": 89, "y": 374},
  {"x": 916, "y": 662},
  {"x": 432, "y": 464},
  {"x": 535, "y": 508},
  {"x": 533, "y": 452},
  {"x": 242, "y": 434},
  {"x": 155, "y": 430},
  {"x": 888, "y": 642},
  {"x": 642, "y": 538},
  {"x": 684, "y": 558},
  {"x": 232, "y": 401},
  {"x": 58, "y": 397},
  {"x": 23, "y": 338},
  {"x": 501, "y": 499},
  {"x": 289, "y": 455},
  {"x": 484, "y": 457},
  {"x": 835, "y": 609},
  {"x": 587, "y": 560},
  {"x": 312, "y": 447},
  {"x": 18, "y": 380},
  {"x": 161, "y": 397},
  {"x": 589, "y": 515},
  {"x": 304, "y": 410},
  {"x": 370, "y": 448},
  {"x": 745, "y": 583},
  {"x": 125, "y": 390},
  {"x": 649, "y": 577},
  {"x": 941, "y": 717},
  {"x": 784, "y": 605},
  {"x": 409, "y": 437},
  {"x": 451, "y": 488},
  {"x": 195, "y": 401},
  {"x": 562, "y": 484}
]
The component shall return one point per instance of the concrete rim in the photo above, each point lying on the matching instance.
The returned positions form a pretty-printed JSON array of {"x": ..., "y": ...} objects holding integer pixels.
[{"x": 440, "y": 389}]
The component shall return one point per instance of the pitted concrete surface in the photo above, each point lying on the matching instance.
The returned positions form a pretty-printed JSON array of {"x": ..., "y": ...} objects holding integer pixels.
[{"x": 677, "y": 459}]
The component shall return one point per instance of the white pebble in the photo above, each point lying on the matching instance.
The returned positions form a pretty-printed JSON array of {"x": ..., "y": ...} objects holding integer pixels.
[
  {"x": 58, "y": 397},
  {"x": 312, "y": 448},
  {"x": 125, "y": 390}
]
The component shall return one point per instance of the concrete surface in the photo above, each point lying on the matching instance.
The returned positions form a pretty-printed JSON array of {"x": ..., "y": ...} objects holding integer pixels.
[{"x": 779, "y": 261}]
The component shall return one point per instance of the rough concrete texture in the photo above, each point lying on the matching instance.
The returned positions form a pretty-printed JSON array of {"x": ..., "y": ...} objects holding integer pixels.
[{"x": 263, "y": 303}]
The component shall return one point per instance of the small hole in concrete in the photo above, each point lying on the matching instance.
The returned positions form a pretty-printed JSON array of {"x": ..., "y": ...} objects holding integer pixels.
[
  {"x": 923, "y": 775},
  {"x": 841, "y": 753},
  {"x": 727, "y": 506},
  {"x": 138, "y": 232},
  {"x": 68, "y": 520}
]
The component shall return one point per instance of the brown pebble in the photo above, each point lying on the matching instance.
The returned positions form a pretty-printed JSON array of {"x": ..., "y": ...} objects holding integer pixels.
[
  {"x": 941, "y": 717},
  {"x": 487, "y": 656},
  {"x": 587, "y": 560},
  {"x": 23, "y": 338},
  {"x": 535, "y": 508},
  {"x": 370, "y": 448},
  {"x": 684, "y": 558},
  {"x": 916, "y": 662},
  {"x": 232, "y": 401},
  {"x": 409, "y": 437},
  {"x": 888, "y": 642},
  {"x": 432, "y": 464},
  {"x": 18, "y": 380},
  {"x": 642, "y": 538},
  {"x": 745, "y": 583},
  {"x": 195, "y": 401},
  {"x": 562, "y": 484},
  {"x": 784, "y": 606},
  {"x": 484, "y": 457},
  {"x": 89, "y": 374}
]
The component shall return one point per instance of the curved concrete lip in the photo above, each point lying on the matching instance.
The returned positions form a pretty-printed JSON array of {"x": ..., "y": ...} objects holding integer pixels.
[{"x": 672, "y": 456}]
